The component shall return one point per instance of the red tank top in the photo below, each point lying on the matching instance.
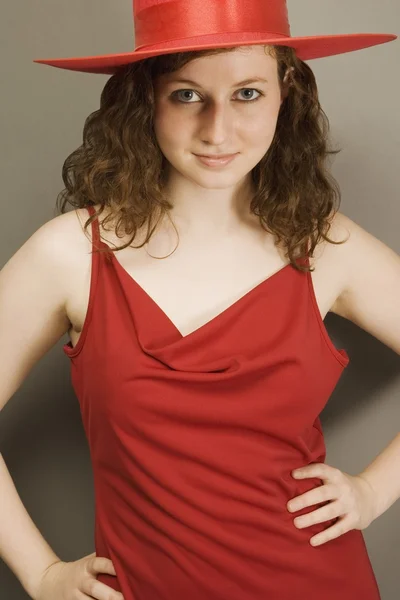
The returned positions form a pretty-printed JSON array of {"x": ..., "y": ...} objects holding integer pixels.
[{"x": 193, "y": 439}]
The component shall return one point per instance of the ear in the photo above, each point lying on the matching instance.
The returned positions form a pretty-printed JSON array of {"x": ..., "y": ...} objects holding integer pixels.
[
  {"x": 287, "y": 73},
  {"x": 286, "y": 84}
]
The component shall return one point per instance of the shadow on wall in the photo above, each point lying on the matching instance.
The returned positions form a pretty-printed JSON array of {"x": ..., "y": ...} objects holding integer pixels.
[{"x": 373, "y": 366}]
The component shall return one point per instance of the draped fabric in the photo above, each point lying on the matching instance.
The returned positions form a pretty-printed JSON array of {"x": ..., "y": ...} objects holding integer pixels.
[{"x": 193, "y": 439}]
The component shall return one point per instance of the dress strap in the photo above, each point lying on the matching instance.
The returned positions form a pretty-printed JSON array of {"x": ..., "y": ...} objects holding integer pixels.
[
  {"x": 95, "y": 228},
  {"x": 306, "y": 259},
  {"x": 97, "y": 242}
]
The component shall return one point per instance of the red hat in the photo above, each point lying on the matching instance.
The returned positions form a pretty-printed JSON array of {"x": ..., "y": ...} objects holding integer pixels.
[{"x": 168, "y": 26}]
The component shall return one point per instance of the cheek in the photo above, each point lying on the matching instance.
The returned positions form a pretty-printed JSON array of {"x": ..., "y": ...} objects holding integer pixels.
[
  {"x": 168, "y": 128},
  {"x": 171, "y": 137},
  {"x": 263, "y": 125},
  {"x": 260, "y": 132}
]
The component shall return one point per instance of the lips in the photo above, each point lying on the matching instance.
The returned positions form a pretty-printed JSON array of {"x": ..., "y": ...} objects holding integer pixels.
[
  {"x": 216, "y": 156},
  {"x": 216, "y": 162}
]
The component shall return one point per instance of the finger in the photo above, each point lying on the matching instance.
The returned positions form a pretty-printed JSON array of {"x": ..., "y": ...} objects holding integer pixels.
[
  {"x": 318, "y": 470},
  {"x": 96, "y": 589},
  {"x": 311, "y": 497},
  {"x": 101, "y": 564},
  {"x": 326, "y": 513},
  {"x": 340, "y": 528},
  {"x": 81, "y": 596}
]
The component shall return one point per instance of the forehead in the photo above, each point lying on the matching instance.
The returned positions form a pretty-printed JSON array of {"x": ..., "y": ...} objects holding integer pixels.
[{"x": 242, "y": 63}]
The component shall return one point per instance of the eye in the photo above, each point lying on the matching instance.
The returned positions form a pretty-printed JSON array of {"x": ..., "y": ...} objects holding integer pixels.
[{"x": 175, "y": 94}]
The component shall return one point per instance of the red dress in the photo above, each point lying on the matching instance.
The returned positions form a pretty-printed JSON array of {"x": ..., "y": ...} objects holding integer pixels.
[{"x": 193, "y": 439}]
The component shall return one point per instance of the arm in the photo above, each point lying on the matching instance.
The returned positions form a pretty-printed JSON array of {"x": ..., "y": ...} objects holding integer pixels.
[
  {"x": 22, "y": 547},
  {"x": 32, "y": 320},
  {"x": 383, "y": 476},
  {"x": 371, "y": 300}
]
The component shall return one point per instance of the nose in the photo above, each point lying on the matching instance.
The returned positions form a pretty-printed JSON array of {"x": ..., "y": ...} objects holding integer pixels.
[{"x": 216, "y": 122}]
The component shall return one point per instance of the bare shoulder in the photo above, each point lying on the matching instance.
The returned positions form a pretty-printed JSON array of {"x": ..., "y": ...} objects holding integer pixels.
[
  {"x": 370, "y": 284},
  {"x": 347, "y": 263},
  {"x": 77, "y": 242},
  {"x": 75, "y": 235},
  {"x": 340, "y": 231},
  {"x": 75, "y": 238},
  {"x": 65, "y": 235},
  {"x": 34, "y": 286},
  {"x": 75, "y": 224}
]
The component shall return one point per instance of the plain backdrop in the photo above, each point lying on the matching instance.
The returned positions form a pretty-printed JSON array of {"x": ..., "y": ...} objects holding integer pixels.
[{"x": 43, "y": 110}]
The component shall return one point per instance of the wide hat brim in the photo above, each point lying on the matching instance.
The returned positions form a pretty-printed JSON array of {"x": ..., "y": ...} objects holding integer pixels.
[{"x": 307, "y": 48}]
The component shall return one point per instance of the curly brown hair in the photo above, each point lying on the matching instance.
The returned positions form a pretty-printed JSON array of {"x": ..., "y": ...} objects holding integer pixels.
[{"x": 120, "y": 165}]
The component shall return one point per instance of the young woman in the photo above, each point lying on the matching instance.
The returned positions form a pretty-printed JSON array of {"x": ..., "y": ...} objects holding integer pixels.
[{"x": 194, "y": 292}]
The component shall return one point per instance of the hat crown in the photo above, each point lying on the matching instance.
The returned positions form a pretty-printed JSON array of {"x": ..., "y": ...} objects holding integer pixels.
[
  {"x": 171, "y": 21},
  {"x": 170, "y": 26}
]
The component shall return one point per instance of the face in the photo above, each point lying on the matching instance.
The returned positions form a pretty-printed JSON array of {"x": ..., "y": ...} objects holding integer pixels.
[{"x": 215, "y": 115}]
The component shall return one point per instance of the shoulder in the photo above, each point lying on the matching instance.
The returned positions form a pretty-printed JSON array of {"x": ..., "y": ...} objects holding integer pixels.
[
  {"x": 70, "y": 247},
  {"x": 340, "y": 231},
  {"x": 57, "y": 238},
  {"x": 65, "y": 235},
  {"x": 68, "y": 229},
  {"x": 66, "y": 247},
  {"x": 359, "y": 245},
  {"x": 369, "y": 272}
]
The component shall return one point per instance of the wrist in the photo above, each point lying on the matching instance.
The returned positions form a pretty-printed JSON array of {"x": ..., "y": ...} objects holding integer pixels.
[
  {"x": 32, "y": 587},
  {"x": 371, "y": 491}
]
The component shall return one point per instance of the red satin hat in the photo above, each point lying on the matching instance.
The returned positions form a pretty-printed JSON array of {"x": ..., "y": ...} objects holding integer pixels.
[{"x": 168, "y": 26}]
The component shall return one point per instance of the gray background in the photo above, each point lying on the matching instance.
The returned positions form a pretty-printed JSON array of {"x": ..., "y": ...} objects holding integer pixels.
[{"x": 42, "y": 115}]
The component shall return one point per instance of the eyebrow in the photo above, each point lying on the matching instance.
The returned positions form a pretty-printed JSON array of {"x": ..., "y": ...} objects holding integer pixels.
[{"x": 245, "y": 82}]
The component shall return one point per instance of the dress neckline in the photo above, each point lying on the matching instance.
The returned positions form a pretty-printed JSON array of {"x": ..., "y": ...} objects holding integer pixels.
[{"x": 214, "y": 320}]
